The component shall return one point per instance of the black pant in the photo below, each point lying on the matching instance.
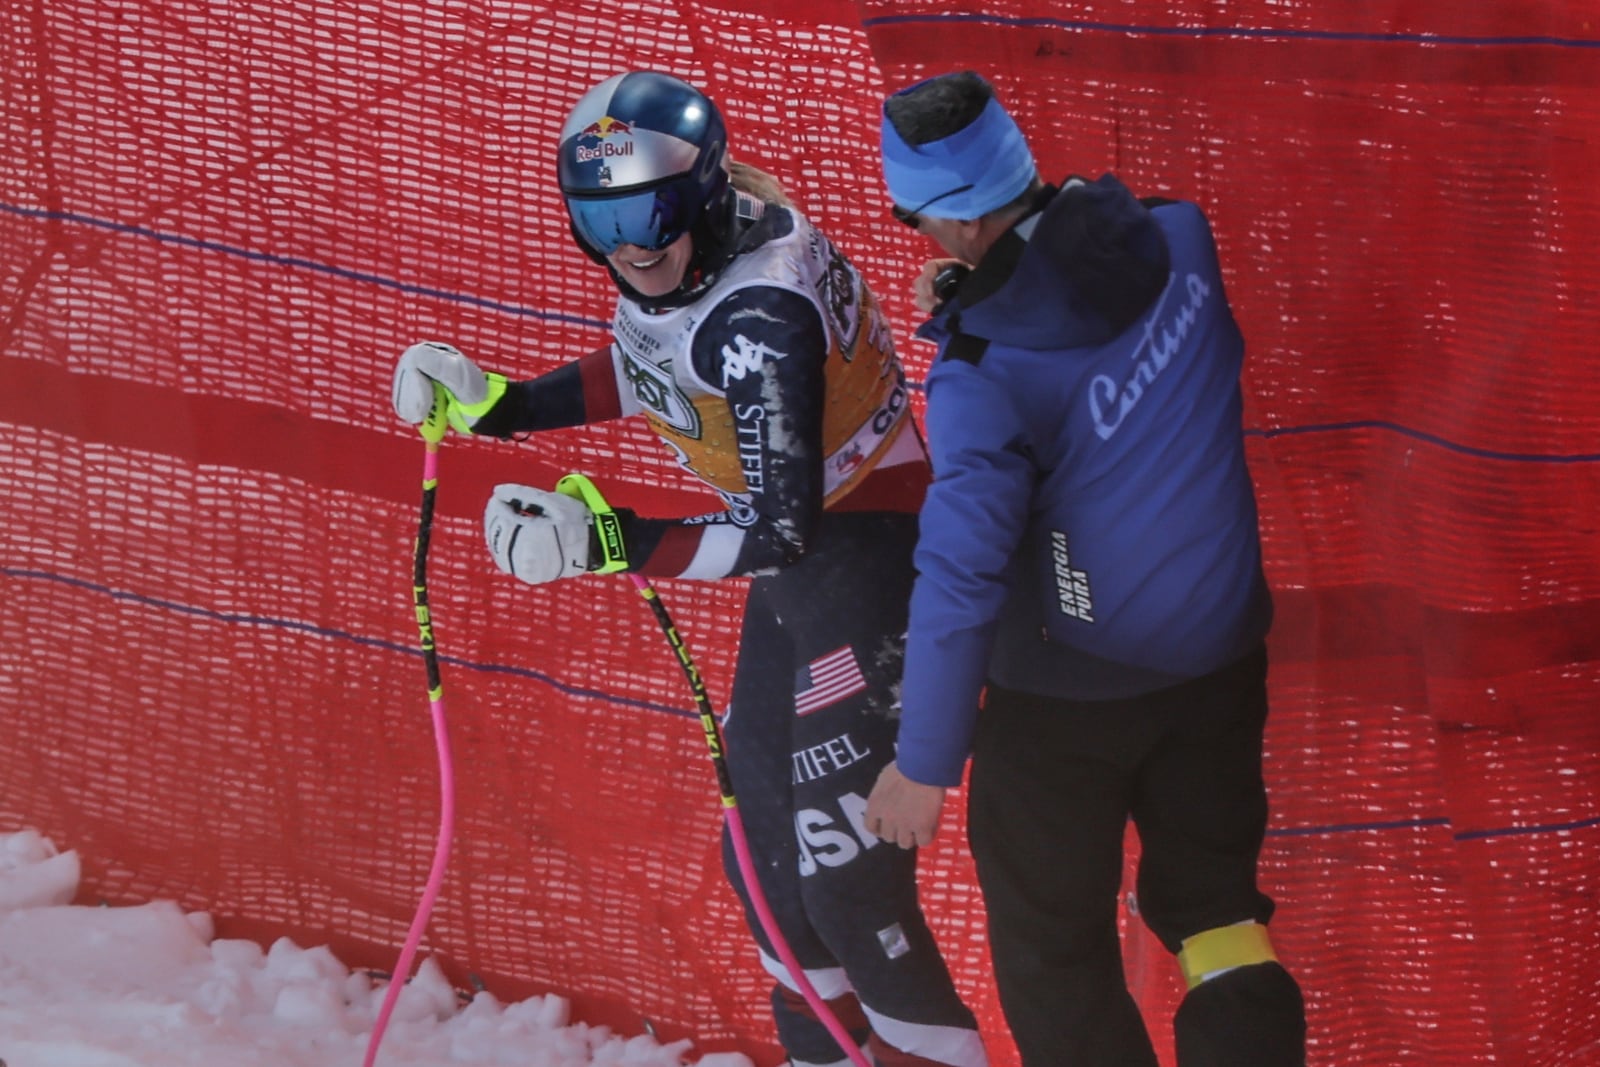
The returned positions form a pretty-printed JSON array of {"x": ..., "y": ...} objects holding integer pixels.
[
  {"x": 1054, "y": 783},
  {"x": 803, "y": 761}
]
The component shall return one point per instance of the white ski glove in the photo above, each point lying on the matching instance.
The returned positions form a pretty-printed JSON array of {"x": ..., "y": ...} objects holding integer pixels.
[
  {"x": 535, "y": 535},
  {"x": 469, "y": 392}
]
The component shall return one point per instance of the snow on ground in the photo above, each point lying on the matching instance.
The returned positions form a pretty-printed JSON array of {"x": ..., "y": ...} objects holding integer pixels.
[{"x": 150, "y": 986}]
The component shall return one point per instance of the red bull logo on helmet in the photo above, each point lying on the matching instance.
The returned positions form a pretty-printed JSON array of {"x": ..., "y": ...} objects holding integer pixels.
[
  {"x": 595, "y": 141},
  {"x": 606, "y": 127}
]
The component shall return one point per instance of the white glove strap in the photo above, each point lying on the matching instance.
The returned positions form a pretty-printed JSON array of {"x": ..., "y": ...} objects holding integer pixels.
[{"x": 536, "y": 535}]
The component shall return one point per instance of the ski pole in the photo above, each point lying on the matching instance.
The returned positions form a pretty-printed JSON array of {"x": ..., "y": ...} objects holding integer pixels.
[
  {"x": 581, "y": 488},
  {"x": 433, "y": 430}
]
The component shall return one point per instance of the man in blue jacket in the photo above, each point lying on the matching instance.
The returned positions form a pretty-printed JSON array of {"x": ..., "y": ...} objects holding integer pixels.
[{"x": 1089, "y": 561}]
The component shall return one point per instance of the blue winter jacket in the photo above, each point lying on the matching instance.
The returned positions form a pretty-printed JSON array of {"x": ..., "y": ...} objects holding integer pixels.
[{"x": 1091, "y": 530}]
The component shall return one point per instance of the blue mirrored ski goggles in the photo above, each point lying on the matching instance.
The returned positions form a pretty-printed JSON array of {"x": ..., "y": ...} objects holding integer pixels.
[{"x": 652, "y": 219}]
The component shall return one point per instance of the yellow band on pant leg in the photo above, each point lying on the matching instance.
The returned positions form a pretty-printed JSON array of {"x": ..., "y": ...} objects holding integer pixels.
[{"x": 1223, "y": 948}]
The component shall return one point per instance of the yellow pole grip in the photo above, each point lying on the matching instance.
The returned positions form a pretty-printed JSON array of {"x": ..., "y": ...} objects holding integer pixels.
[{"x": 434, "y": 426}]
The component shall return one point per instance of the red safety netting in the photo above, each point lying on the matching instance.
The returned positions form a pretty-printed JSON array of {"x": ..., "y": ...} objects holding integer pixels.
[{"x": 221, "y": 223}]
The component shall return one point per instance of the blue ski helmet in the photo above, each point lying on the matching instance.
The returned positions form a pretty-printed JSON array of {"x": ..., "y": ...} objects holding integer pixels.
[{"x": 641, "y": 159}]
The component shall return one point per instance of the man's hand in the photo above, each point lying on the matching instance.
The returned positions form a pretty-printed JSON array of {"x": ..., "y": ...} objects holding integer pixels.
[
  {"x": 923, "y": 292},
  {"x": 904, "y": 812}
]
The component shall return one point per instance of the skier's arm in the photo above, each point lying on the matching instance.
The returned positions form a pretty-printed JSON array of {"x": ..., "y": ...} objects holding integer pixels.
[
  {"x": 574, "y": 394},
  {"x": 582, "y": 391}
]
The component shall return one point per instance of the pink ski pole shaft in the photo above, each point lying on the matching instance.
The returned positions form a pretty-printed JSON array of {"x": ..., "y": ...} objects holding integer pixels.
[
  {"x": 433, "y": 429},
  {"x": 741, "y": 844}
]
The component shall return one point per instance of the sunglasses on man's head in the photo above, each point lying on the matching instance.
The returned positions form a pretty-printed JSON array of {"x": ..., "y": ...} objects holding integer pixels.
[
  {"x": 913, "y": 217},
  {"x": 908, "y": 218}
]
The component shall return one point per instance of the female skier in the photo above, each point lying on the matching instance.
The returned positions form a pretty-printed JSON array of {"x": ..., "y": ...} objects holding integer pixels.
[{"x": 752, "y": 346}]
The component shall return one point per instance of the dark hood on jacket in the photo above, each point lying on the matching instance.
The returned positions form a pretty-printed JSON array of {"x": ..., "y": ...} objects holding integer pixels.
[{"x": 1076, "y": 272}]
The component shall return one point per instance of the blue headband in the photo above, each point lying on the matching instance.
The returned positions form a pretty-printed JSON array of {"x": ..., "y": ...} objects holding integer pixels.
[{"x": 990, "y": 154}]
